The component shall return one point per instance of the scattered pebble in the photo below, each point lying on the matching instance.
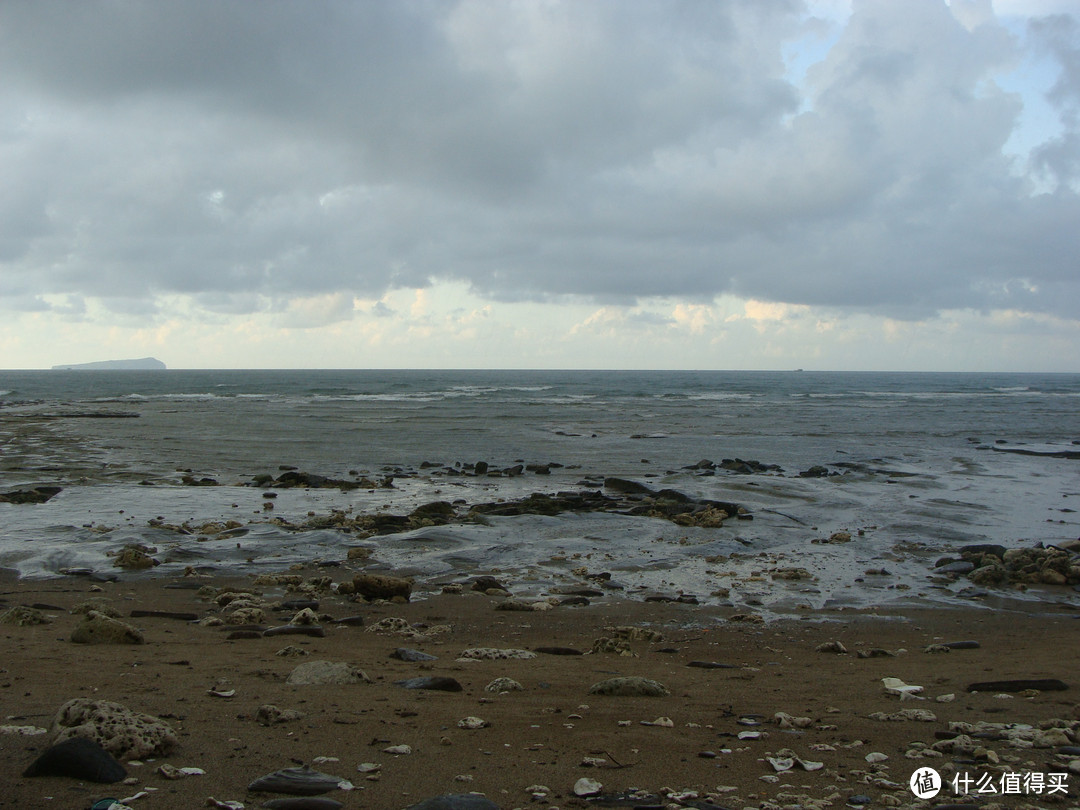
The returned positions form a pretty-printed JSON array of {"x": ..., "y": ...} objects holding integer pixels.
[{"x": 587, "y": 787}]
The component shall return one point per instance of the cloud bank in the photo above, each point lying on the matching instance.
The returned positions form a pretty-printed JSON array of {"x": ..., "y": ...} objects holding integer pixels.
[{"x": 248, "y": 155}]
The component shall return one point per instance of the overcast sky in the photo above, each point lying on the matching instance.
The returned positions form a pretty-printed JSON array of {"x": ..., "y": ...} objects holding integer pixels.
[{"x": 593, "y": 183}]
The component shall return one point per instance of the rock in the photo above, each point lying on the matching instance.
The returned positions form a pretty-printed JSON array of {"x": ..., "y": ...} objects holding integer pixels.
[
  {"x": 135, "y": 557},
  {"x": 895, "y": 686},
  {"x": 246, "y": 614},
  {"x": 921, "y": 715},
  {"x": 297, "y": 781},
  {"x": 500, "y": 685},
  {"x": 392, "y": 624},
  {"x": 405, "y": 654},
  {"x": 313, "y": 630},
  {"x": 435, "y": 682},
  {"x": 587, "y": 787},
  {"x": 993, "y": 574},
  {"x": 79, "y": 758},
  {"x": 172, "y": 772},
  {"x": 268, "y": 714},
  {"x": 433, "y": 513},
  {"x": 317, "y": 673},
  {"x": 630, "y": 686},
  {"x": 631, "y": 633},
  {"x": 961, "y": 567},
  {"x": 123, "y": 733},
  {"x": 472, "y": 723},
  {"x": 97, "y": 628},
  {"x": 617, "y": 646},
  {"x": 305, "y": 803},
  {"x": 456, "y": 801},
  {"x": 627, "y": 487},
  {"x": 304, "y": 618},
  {"x": 486, "y": 583},
  {"x": 785, "y": 720},
  {"x": 292, "y": 652},
  {"x": 517, "y": 604},
  {"x": 711, "y": 665},
  {"x": 1019, "y": 685},
  {"x": 494, "y": 654},
  {"x": 381, "y": 586},
  {"x": 34, "y": 495},
  {"x": 21, "y": 616},
  {"x": 181, "y": 616},
  {"x": 398, "y": 750},
  {"x": 831, "y": 647},
  {"x": 983, "y": 549}
]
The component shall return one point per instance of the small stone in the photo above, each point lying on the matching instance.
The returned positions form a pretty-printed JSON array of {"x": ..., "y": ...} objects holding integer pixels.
[
  {"x": 500, "y": 685},
  {"x": 97, "y": 628},
  {"x": 297, "y": 782},
  {"x": 630, "y": 686},
  {"x": 472, "y": 723},
  {"x": 380, "y": 586},
  {"x": 315, "y": 673},
  {"x": 662, "y": 722},
  {"x": 21, "y": 616},
  {"x": 304, "y": 618},
  {"x": 436, "y": 682},
  {"x": 587, "y": 787},
  {"x": 268, "y": 714},
  {"x": 398, "y": 750},
  {"x": 831, "y": 647},
  {"x": 135, "y": 557},
  {"x": 292, "y": 652},
  {"x": 494, "y": 654}
]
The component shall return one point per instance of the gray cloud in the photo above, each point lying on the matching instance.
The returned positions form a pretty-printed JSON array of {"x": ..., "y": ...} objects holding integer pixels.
[{"x": 244, "y": 153}]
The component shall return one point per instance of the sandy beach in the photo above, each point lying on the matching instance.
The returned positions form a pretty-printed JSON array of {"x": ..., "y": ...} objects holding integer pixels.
[{"x": 211, "y": 679}]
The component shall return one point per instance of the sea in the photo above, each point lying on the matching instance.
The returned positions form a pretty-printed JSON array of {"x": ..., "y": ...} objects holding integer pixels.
[{"x": 912, "y": 466}]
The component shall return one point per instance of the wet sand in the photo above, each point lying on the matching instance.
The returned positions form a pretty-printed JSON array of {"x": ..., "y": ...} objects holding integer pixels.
[{"x": 553, "y": 732}]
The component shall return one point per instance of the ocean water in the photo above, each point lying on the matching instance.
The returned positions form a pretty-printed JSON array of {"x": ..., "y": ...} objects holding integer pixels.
[{"x": 919, "y": 465}]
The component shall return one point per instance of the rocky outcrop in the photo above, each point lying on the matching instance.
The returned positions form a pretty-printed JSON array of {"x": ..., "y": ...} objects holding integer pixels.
[{"x": 991, "y": 564}]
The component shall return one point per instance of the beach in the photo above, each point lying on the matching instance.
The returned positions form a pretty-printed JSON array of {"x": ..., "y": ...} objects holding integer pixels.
[
  {"x": 801, "y": 575},
  {"x": 207, "y": 677}
]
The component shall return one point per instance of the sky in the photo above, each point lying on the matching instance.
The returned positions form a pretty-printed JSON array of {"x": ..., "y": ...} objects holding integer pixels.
[{"x": 728, "y": 184}]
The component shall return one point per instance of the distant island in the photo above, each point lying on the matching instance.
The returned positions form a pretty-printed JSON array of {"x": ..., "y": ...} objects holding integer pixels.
[{"x": 142, "y": 364}]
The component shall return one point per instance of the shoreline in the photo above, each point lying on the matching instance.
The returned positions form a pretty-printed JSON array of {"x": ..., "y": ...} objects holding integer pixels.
[{"x": 209, "y": 688}]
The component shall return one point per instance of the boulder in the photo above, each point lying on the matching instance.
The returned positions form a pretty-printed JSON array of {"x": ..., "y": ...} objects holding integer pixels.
[
  {"x": 317, "y": 673},
  {"x": 22, "y": 616},
  {"x": 97, "y": 628},
  {"x": 382, "y": 586},
  {"x": 631, "y": 686},
  {"x": 123, "y": 733}
]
